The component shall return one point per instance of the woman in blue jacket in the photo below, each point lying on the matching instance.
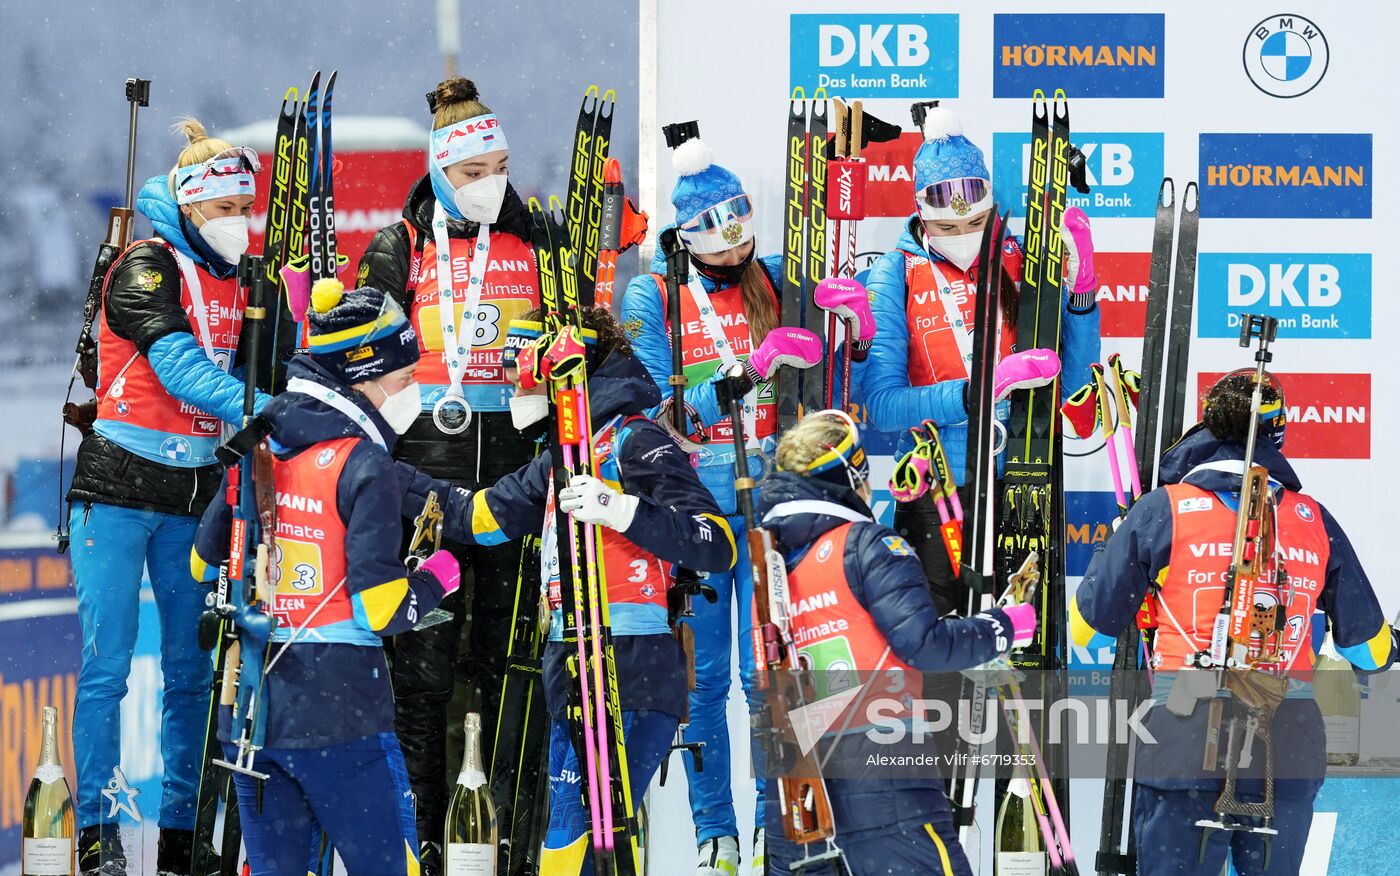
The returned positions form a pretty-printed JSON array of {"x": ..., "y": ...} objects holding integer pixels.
[
  {"x": 168, "y": 333},
  {"x": 729, "y": 313},
  {"x": 922, "y": 295}
]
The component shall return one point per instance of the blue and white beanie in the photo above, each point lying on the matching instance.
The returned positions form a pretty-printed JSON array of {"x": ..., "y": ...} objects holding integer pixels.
[
  {"x": 946, "y": 154},
  {"x": 700, "y": 184}
]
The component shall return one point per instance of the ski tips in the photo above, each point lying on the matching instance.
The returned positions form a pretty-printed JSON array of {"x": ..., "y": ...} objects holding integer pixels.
[
  {"x": 797, "y": 94},
  {"x": 1166, "y": 195},
  {"x": 1190, "y": 198},
  {"x": 292, "y": 95}
]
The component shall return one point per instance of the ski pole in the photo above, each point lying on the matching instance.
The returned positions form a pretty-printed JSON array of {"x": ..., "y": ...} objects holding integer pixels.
[
  {"x": 1110, "y": 439},
  {"x": 1126, "y": 384}
]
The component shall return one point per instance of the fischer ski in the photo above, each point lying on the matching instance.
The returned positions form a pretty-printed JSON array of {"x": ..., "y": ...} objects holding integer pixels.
[{"x": 587, "y": 170}]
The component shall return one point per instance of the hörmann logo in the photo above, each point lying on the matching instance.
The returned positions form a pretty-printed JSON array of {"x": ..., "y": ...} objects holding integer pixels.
[
  {"x": 1123, "y": 172},
  {"x": 1314, "y": 295},
  {"x": 1088, "y": 55},
  {"x": 875, "y": 55},
  {"x": 1286, "y": 55},
  {"x": 1286, "y": 176}
]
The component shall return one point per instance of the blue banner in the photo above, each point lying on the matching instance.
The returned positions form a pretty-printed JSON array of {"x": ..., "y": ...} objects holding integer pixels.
[
  {"x": 1285, "y": 176},
  {"x": 1314, "y": 295},
  {"x": 1088, "y": 55},
  {"x": 870, "y": 56},
  {"x": 1123, "y": 172}
]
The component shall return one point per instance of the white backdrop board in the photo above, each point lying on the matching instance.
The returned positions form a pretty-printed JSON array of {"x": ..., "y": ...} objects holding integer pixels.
[{"x": 1271, "y": 107}]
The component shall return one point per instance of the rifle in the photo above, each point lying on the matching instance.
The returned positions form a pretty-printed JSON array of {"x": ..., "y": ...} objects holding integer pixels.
[{"x": 802, "y": 793}]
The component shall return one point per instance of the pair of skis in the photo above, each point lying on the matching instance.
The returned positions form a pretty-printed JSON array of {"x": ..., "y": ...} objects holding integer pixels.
[
  {"x": 1161, "y": 412},
  {"x": 308, "y": 250},
  {"x": 587, "y": 184},
  {"x": 595, "y": 713},
  {"x": 845, "y": 207}
]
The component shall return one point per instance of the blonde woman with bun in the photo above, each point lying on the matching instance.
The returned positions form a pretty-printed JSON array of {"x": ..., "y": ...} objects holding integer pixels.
[
  {"x": 866, "y": 607},
  {"x": 463, "y": 211},
  {"x": 167, "y": 336}
]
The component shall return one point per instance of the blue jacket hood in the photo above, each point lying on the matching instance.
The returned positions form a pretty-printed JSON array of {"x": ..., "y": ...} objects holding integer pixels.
[
  {"x": 155, "y": 202},
  {"x": 1180, "y": 464},
  {"x": 796, "y": 532},
  {"x": 620, "y": 386},
  {"x": 299, "y": 420}
]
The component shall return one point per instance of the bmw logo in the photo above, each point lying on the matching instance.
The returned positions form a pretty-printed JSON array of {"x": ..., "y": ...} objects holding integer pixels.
[
  {"x": 123, "y": 408},
  {"x": 325, "y": 457},
  {"x": 824, "y": 550},
  {"x": 1304, "y": 512},
  {"x": 176, "y": 448},
  {"x": 1285, "y": 55}
]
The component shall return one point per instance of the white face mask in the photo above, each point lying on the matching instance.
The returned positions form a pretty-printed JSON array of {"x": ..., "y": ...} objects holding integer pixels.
[
  {"x": 527, "y": 410},
  {"x": 480, "y": 200},
  {"x": 226, "y": 235},
  {"x": 960, "y": 249},
  {"x": 400, "y": 409}
]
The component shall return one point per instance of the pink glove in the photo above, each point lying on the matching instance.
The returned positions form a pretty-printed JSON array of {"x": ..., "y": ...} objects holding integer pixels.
[
  {"x": 1028, "y": 370},
  {"x": 445, "y": 570},
  {"x": 1022, "y": 617},
  {"x": 796, "y": 347},
  {"x": 1079, "y": 259},
  {"x": 848, "y": 300}
]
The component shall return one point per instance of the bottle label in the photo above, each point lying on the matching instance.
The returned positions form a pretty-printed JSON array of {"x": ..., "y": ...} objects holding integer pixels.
[
  {"x": 472, "y": 779},
  {"x": 1343, "y": 734},
  {"x": 1019, "y": 786},
  {"x": 48, "y": 773},
  {"x": 1020, "y": 864},
  {"x": 470, "y": 859},
  {"x": 48, "y": 857}
]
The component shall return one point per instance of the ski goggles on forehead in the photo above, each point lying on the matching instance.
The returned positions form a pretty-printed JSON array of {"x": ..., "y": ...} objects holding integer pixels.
[
  {"x": 955, "y": 198},
  {"x": 469, "y": 138},
  {"x": 228, "y": 174},
  {"x": 720, "y": 228},
  {"x": 845, "y": 456}
]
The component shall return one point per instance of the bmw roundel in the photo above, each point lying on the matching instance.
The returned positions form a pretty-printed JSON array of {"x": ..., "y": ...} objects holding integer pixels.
[
  {"x": 123, "y": 408},
  {"x": 325, "y": 458},
  {"x": 176, "y": 448},
  {"x": 1304, "y": 512},
  {"x": 1285, "y": 55}
]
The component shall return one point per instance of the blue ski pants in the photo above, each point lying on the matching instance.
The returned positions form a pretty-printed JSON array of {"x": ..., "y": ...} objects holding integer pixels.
[
  {"x": 357, "y": 792},
  {"x": 711, "y": 794},
  {"x": 648, "y": 736},
  {"x": 1169, "y": 842},
  {"x": 111, "y": 546}
]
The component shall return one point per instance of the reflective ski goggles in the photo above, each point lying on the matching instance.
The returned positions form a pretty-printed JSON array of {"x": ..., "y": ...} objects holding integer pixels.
[
  {"x": 720, "y": 228},
  {"x": 847, "y": 453},
  {"x": 226, "y": 175},
  {"x": 955, "y": 198}
]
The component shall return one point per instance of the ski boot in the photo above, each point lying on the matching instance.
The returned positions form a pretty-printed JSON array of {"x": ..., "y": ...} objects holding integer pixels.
[
  {"x": 100, "y": 851},
  {"x": 174, "y": 852},
  {"x": 719, "y": 857},
  {"x": 430, "y": 859},
  {"x": 759, "y": 859}
]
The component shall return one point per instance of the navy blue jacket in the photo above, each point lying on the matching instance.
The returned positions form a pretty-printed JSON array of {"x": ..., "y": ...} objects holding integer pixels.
[
  {"x": 1119, "y": 576},
  {"x": 888, "y": 581},
  {"x": 324, "y": 692},
  {"x": 676, "y": 520}
]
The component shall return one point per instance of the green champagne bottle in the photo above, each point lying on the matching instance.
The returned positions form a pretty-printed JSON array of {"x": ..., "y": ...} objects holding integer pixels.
[
  {"x": 48, "y": 834},
  {"x": 1019, "y": 851}
]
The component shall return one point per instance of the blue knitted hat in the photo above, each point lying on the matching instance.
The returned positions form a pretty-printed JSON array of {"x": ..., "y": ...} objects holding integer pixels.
[
  {"x": 700, "y": 183},
  {"x": 946, "y": 154},
  {"x": 360, "y": 334}
]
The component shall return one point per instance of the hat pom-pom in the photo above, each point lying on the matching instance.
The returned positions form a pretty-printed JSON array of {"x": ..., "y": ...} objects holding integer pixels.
[
  {"x": 692, "y": 157},
  {"x": 326, "y": 294},
  {"x": 940, "y": 123}
]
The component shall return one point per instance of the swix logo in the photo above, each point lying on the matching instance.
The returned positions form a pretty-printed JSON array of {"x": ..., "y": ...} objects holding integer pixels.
[
  {"x": 865, "y": 55},
  {"x": 1286, "y": 176},
  {"x": 1098, "y": 56},
  {"x": 1123, "y": 171},
  {"x": 1122, "y": 295},
  {"x": 1328, "y": 415},
  {"x": 1314, "y": 295},
  {"x": 193, "y": 191}
]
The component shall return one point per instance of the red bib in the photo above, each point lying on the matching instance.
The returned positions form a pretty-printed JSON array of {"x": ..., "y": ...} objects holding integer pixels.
[
  {"x": 1193, "y": 588},
  {"x": 835, "y": 635},
  {"x": 701, "y": 360},
  {"x": 310, "y": 561},
  {"x": 933, "y": 343},
  {"x": 511, "y": 288},
  {"x": 129, "y": 391}
]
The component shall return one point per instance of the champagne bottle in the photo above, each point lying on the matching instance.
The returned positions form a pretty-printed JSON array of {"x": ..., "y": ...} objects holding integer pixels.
[
  {"x": 48, "y": 811},
  {"x": 1339, "y": 699},
  {"x": 469, "y": 845},
  {"x": 1019, "y": 851}
]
